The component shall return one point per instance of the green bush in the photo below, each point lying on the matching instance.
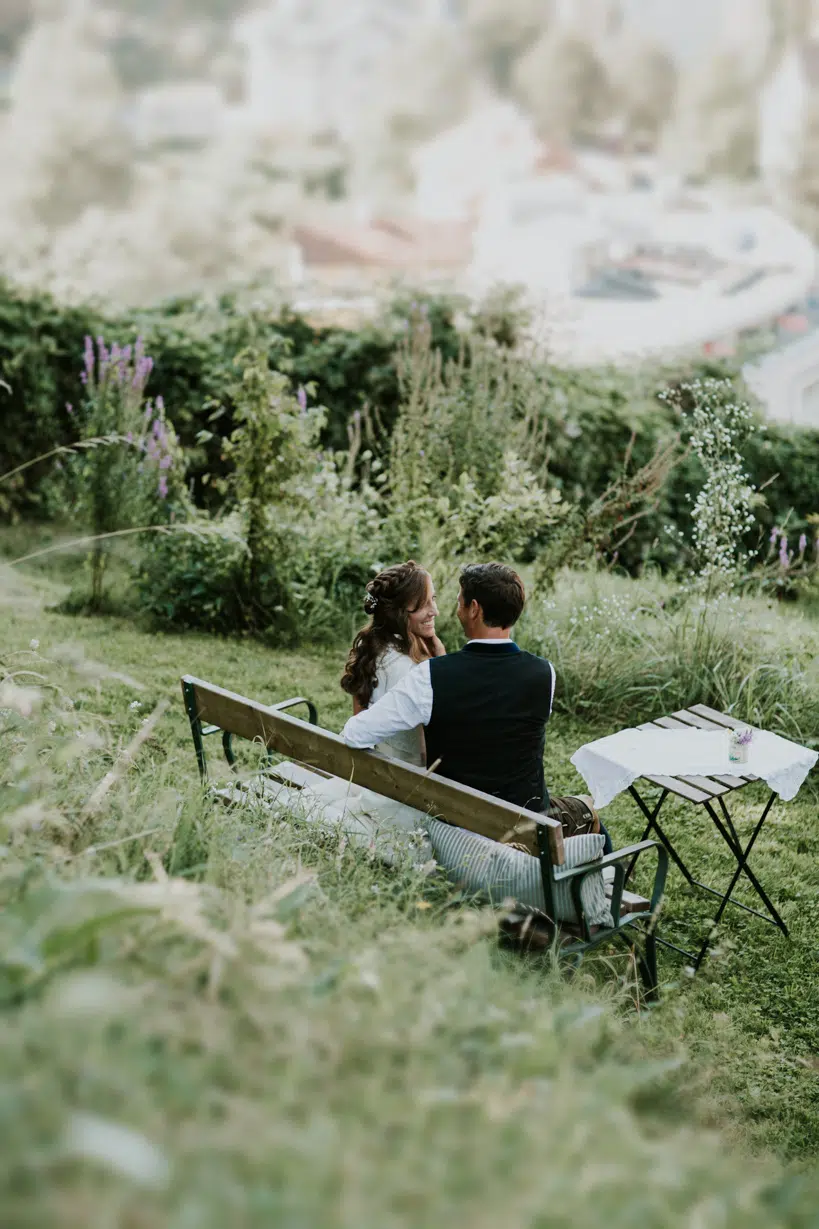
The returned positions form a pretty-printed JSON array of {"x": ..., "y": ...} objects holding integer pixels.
[
  {"x": 194, "y": 346},
  {"x": 41, "y": 348},
  {"x": 193, "y": 577},
  {"x": 585, "y": 423}
]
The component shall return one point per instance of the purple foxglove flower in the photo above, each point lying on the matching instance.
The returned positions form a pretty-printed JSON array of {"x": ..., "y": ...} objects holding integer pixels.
[
  {"x": 160, "y": 404},
  {"x": 302, "y": 397},
  {"x": 69, "y": 407},
  {"x": 157, "y": 427},
  {"x": 774, "y": 535},
  {"x": 163, "y": 487},
  {"x": 166, "y": 462},
  {"x": 803, "y": 544},
  {"x": 784, "y": 559}
]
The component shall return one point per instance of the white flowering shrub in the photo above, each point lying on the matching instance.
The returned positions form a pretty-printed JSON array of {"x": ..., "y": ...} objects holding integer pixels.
[{"x": 722, "y": 511}]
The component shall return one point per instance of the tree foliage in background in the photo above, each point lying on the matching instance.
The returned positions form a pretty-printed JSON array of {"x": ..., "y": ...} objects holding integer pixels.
[
  {"x": 644, "y": 80},
  {"x": 715, "y": 126},
  {"x": 501, "y": 33},
  {"x": 565, "y": 85},
  {"x": 804, "y": 185}
]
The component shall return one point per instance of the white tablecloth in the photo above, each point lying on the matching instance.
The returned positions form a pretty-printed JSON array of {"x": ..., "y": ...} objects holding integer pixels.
[{"x": 611, "y": 764}]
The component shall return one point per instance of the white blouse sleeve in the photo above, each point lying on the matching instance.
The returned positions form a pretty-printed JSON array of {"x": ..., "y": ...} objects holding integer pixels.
[{"x": 403, "y": 708}]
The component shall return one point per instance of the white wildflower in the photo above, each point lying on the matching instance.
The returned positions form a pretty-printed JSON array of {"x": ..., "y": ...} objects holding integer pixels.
[
  {"x": 21, "y": 700},
  {"x": 117, "y": 1148}
]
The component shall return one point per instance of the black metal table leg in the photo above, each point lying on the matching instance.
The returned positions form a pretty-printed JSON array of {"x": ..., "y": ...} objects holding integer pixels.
[
  {"x": 654, "y": 826},
  {"x": 742, "y": 865},
  {"x": 727, "y": 830}
]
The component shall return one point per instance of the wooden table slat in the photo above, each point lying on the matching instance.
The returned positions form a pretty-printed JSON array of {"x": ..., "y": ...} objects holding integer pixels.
[
  {"x": 691, "y": 719},
  {"x": 675, "y": 785},
  {"x": 720, "y": 719}
]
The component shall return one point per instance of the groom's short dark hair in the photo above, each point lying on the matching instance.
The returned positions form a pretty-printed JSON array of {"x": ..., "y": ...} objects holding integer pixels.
[{"x": 497, "y": 589}]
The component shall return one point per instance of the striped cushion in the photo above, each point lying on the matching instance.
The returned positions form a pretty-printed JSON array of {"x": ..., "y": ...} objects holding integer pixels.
[{"x": 491, "y": 869}]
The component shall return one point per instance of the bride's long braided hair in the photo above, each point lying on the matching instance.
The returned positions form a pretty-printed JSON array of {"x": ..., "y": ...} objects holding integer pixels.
[{"x": 389, "y": 600}]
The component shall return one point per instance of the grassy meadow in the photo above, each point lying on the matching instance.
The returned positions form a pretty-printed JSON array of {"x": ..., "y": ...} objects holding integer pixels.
[{"x": 211, "y": 1019}]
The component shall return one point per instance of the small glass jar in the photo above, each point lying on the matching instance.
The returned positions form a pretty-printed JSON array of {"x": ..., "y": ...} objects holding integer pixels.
[{"x": 739, "y": 744}]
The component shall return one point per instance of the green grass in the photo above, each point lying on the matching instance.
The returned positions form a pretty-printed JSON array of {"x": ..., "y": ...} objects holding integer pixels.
[{"x": 295, "y": 1036}]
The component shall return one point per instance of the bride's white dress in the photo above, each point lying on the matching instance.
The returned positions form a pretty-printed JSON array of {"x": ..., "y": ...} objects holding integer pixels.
[{"x": 392, "y": 831}]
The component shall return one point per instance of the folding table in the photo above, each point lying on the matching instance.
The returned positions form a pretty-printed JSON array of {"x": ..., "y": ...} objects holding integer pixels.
[{"x": 710, "y": 793}]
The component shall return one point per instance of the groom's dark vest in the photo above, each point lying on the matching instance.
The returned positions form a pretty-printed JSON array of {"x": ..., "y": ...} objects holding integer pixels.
[{"x": 490, "y": 705}]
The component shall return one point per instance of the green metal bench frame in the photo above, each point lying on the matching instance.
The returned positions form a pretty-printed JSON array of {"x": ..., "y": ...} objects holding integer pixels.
[{"x": 212, "y": 710}]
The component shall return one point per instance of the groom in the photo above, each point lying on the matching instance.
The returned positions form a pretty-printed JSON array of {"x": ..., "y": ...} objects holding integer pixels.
[{"x": 484, "y": 710}]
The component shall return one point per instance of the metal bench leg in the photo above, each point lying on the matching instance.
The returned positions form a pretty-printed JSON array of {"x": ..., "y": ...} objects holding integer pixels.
[{"x": 196, "y": 730}]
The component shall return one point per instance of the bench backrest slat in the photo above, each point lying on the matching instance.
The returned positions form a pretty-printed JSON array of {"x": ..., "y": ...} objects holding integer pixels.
[{"x": 317, "y": 748}]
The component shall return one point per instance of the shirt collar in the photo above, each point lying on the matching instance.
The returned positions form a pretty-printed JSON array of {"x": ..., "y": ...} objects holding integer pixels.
[{"x": 494, "y": 646}]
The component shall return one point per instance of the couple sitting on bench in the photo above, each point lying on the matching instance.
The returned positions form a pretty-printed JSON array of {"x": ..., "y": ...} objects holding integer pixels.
[{"x": 478, "y": 716}]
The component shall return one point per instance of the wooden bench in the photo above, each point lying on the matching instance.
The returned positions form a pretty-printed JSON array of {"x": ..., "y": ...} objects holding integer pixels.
[{"x": 212, "y": 710}]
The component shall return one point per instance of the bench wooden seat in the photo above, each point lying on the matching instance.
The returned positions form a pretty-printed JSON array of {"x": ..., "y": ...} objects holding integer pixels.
[{"x": 313, "y": 753}]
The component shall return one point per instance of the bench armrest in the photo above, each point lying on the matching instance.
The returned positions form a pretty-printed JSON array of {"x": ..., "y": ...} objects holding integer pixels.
[
  {"x": 312, "y": 711},
  {"x": 616, "y": 859},
  {"x": 227, "y": 737}
]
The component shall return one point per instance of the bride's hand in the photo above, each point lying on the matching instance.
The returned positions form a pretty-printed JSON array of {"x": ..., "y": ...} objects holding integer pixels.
[{"x": 436, "y": 647}]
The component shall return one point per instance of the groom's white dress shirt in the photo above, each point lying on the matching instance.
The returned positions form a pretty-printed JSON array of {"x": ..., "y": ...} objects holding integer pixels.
[{"x": 407, "y": 706}]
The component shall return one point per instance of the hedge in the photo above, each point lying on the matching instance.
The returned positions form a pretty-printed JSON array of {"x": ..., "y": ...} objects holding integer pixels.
[{"x": 591, "y": 416}]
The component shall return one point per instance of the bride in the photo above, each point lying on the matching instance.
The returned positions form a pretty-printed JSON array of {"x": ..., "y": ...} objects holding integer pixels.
[{"x": 401, "y": 604}]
